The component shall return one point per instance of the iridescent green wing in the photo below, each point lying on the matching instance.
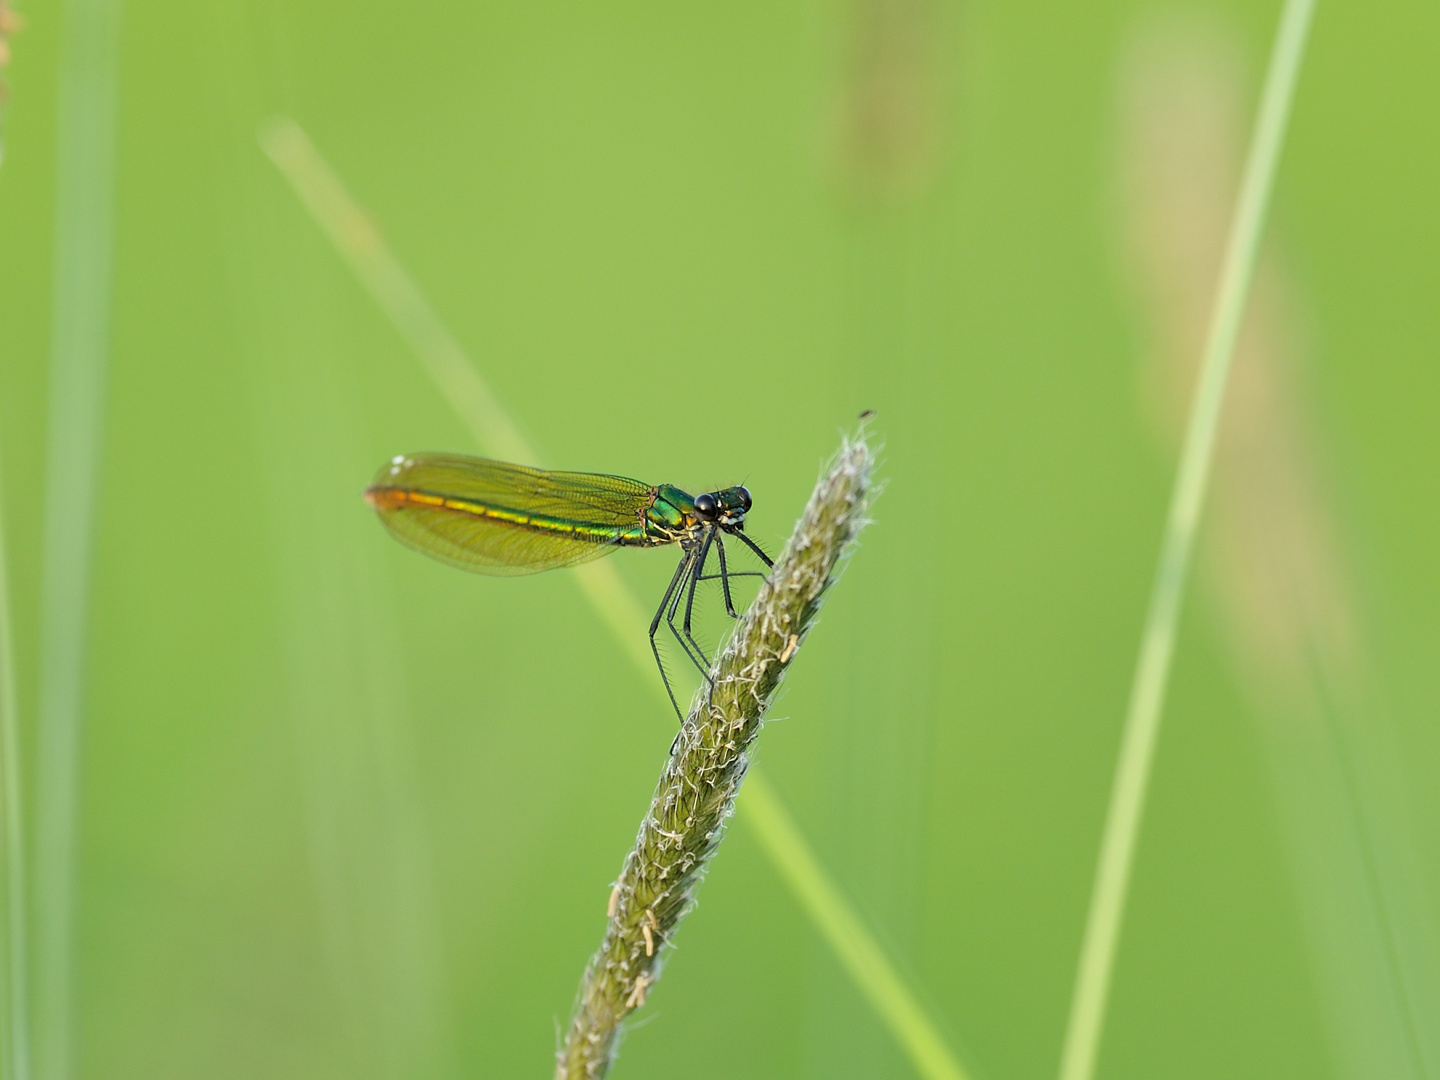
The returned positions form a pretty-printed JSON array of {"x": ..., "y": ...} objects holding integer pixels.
[{"x": 494, "y": 518}]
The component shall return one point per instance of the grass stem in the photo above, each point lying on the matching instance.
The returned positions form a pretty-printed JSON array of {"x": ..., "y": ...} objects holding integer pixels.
[{"x": 682, "y": 830}]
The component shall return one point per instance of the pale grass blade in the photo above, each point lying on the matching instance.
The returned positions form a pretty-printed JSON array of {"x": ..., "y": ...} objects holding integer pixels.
[
  {"x": 1273, "y": 556},
  {"x": 15, "y": 975},
  {"x": 1142, "y": 722},
  {"x": 84, "y": 227}
]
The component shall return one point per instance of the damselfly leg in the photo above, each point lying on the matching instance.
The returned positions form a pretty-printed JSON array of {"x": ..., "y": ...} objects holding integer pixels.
[
  {"x": 710, "y": 538},
  {"x": 683, "y": 584},
  {"x": 676, "y": 582},
  {"x": 686, "y": 591}
]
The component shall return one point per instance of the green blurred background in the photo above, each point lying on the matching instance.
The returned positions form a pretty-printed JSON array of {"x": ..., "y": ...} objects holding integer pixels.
[{"x": 347, "y": 812}]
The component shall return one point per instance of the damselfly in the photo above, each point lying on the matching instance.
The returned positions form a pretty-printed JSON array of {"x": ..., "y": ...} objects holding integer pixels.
[{"x": 493, "y": 518}]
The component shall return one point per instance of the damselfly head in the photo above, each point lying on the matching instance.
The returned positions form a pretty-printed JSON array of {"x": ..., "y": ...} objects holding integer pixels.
[{"x": 725, "y": 507}]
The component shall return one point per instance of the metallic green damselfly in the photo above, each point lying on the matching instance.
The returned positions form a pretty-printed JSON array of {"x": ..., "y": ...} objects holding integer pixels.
[{"x": 494, "y": 518}]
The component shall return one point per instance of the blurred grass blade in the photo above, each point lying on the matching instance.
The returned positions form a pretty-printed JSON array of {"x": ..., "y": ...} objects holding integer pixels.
[
  {"x": 81, "y": 318},
  {"x": 14, "y": 974},
  {"x": 1273, "y": 555},
  {"x": 1142, "y": 722},
  {"x": 14, "y": 979},
  {"x": 392, "y": 288},
  {"x": 14, "y": 926},
  {"x": 855, "y": 947}
]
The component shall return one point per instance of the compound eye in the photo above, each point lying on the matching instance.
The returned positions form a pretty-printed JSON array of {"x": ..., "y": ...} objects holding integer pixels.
[
  {"x": 744, "y": 496},
  {"x": 706, "y": 507}
]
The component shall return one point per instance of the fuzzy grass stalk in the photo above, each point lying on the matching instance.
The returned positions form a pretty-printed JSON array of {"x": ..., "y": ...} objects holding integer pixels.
[{"x": 683, "y": 828}]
